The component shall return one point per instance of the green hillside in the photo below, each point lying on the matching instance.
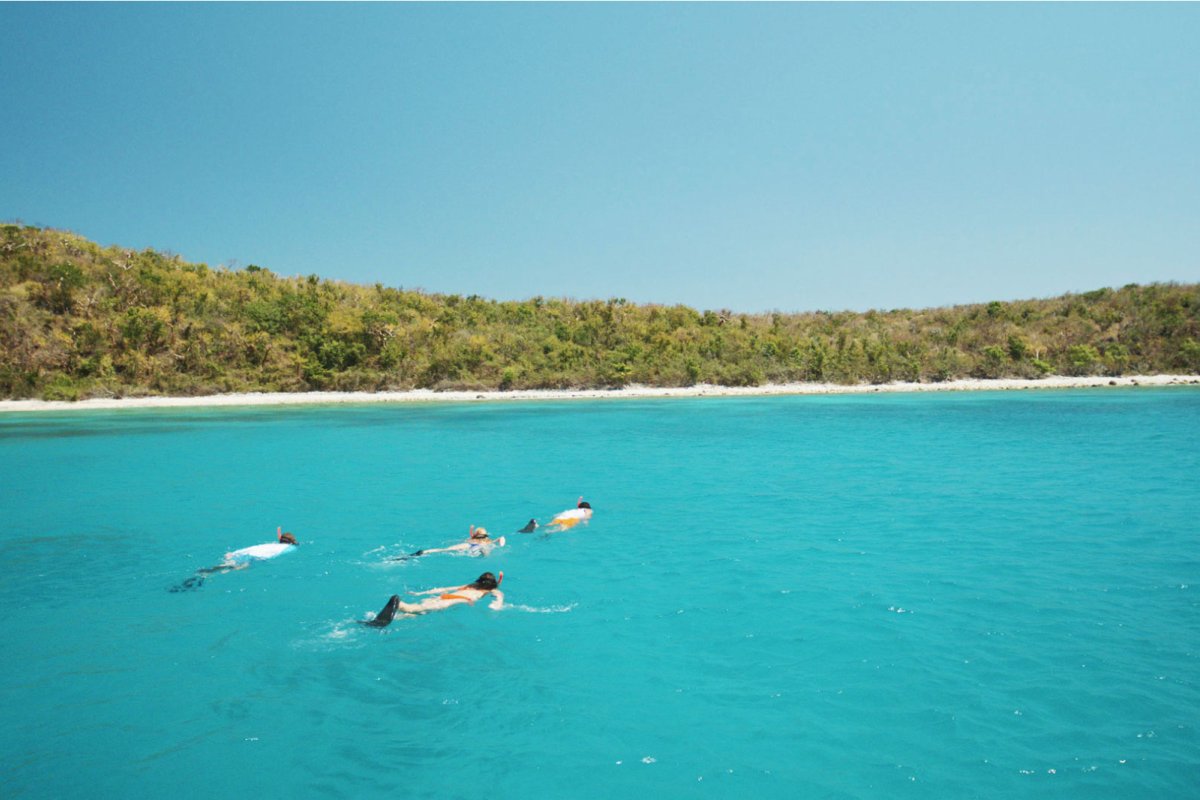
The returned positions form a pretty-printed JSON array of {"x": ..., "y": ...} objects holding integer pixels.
[{"x": 79, "y": 320}]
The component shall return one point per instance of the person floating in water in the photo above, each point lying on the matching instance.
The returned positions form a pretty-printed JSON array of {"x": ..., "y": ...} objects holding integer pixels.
[
  {"x": 530, "y": 527},
  {"x": 565, "y": 520},
  {"x": 240, "y": 559},
  {"x": 443, "y": 597},
  {"x": 478, "y": 543}
]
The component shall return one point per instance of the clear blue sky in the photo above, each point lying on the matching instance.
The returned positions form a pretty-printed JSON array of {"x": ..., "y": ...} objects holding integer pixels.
[{"x": 752, "y": 157}]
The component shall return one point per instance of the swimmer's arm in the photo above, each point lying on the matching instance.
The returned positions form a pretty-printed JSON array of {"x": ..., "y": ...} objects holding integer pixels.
[{"x": 498, "y": 603}]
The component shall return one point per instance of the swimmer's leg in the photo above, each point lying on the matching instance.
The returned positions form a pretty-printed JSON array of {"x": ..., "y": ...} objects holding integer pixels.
[
  {"x": 386, "y": 614},
  {"x": 425, "y": 606},
  {"x": 197, "y": 580},
  {"x": 219, "y": 568}
]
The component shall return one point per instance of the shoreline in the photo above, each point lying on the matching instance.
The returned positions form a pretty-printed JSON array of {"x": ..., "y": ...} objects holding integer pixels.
[{"x": 629, "y": 392}]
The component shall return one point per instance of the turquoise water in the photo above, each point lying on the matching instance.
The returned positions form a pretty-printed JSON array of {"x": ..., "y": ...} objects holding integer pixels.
[{"x": 942, "y": 596}]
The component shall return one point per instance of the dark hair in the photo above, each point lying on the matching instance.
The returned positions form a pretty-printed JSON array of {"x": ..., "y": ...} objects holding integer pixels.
[
  {"x": 584, "y": 504},
  {"x": 485, "y": 582},
  {"x": 287, "y": 538}
]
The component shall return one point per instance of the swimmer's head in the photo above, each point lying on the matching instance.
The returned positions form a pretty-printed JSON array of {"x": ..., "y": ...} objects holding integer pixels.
[
  {"x": 487, "y": 581},
  {"x": 479, "y": 533},
  {"x": 287, "y": 538},
  {"x": 585, "y": 504}
]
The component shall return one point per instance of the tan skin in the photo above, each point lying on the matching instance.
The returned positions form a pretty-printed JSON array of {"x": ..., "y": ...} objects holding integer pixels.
[
  {"x": 442, "y": 598},
  {"x": 446, "y": 596},
  {"x": 477, "y": 537},
  {"x": 560, "y": 524}
]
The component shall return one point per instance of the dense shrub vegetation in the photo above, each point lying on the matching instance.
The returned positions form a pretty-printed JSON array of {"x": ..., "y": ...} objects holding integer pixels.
[{"x": 79, "y": 320}]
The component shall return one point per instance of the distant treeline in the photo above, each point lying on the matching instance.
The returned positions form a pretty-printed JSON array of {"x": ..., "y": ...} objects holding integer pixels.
[{"x": 79, "y": 320}]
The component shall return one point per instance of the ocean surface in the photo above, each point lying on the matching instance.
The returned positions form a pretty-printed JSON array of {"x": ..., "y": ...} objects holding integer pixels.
[{"x": 983, "y": 595}]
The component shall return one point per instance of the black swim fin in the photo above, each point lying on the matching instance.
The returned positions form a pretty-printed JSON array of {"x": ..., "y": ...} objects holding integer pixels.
[
  {"x": 386, "y": 614},
  {"x": 530, "y": 527},
  {"x": 194, "y": 582}
]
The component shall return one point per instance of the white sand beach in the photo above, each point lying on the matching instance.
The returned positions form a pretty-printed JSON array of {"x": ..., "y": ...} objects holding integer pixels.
[{"x": 629, "y": 392}]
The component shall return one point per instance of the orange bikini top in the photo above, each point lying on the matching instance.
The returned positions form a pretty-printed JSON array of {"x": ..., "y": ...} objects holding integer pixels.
[{"x": 452, "y": 596}]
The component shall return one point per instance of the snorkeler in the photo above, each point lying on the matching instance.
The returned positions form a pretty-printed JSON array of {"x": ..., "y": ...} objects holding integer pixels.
[
  {"x": 446, "y": 596},
  {"x": 564, "y": 520},
  {"x": 478, "y": 543},
  {"x": 240, "y": 559}
]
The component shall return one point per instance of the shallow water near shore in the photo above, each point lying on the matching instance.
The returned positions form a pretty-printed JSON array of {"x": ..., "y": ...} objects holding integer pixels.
[{"x": 933, "y": 596}]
